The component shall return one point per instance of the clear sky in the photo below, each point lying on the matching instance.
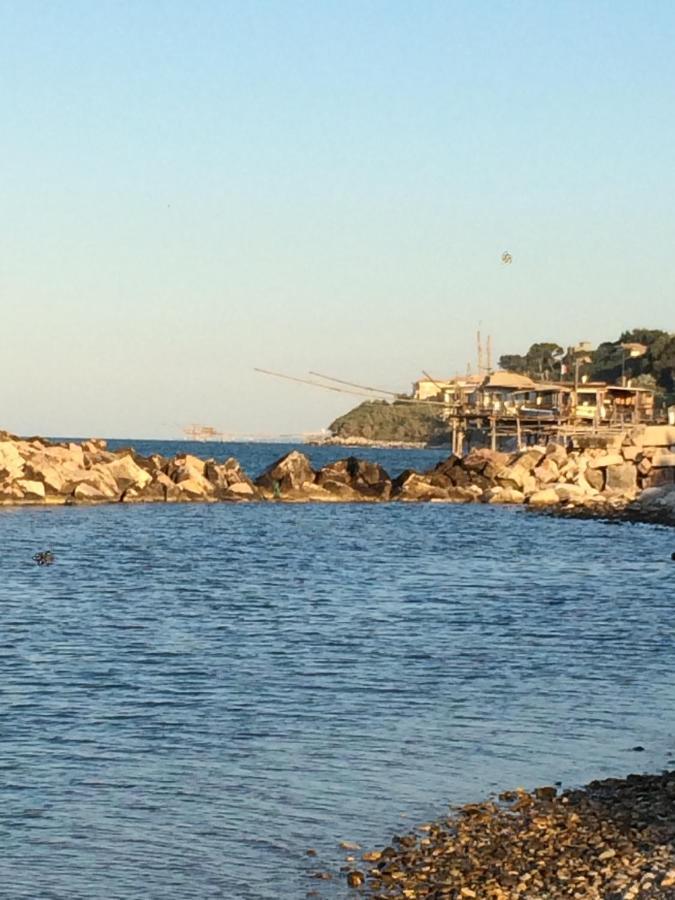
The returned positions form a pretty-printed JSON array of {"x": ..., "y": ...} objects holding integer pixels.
[{"x": 192, "y": 189}]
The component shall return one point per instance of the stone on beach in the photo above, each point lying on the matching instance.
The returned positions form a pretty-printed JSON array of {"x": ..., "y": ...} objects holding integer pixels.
[{"x": 613, "y": 839}]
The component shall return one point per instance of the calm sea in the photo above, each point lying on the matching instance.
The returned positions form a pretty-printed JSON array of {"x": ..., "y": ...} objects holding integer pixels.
[{"x": 193, "y": 696}]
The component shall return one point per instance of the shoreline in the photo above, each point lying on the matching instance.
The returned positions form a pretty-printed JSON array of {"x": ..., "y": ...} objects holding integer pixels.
[
  {"x": 360, "y": 442},
  {"x": 613, "y": 839}
]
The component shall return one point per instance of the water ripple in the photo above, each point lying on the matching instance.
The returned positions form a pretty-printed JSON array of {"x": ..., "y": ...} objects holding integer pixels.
[{"x": 192, "y": 696}]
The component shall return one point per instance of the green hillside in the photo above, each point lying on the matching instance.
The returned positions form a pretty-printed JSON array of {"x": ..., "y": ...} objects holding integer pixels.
[{"x": 378, "y": 420}]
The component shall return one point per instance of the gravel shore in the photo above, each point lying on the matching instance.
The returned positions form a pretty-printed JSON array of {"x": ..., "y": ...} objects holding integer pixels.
[{"x": 612, "y": 840}]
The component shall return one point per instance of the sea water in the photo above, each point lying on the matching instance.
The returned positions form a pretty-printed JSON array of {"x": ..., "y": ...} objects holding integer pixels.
[{"x": 193, "y": 696}]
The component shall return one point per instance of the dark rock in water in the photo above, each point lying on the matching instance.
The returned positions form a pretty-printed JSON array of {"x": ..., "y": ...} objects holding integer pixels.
[
  {"x": 44, "y": 558},
  {"x": 545, "y": 793},
  {"x": 452, "y": 469},
  {"x": 637, "y": 749},
  {"x": 367, "y": 479}
]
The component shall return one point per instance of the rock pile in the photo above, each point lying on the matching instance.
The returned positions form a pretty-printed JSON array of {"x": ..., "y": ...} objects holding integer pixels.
[
  {"x": 596, "y": 480},
  {"x": 614, "y": 840},
  {"x": 39, "y": 471}
]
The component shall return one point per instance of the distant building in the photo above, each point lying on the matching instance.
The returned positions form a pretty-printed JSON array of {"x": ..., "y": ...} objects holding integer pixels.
[{"x": 459, "y": 386}]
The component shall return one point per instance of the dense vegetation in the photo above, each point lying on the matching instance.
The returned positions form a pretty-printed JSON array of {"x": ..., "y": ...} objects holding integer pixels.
[
  {"x": 656, "y": 368},
  {"x": 378, "y": 420}
]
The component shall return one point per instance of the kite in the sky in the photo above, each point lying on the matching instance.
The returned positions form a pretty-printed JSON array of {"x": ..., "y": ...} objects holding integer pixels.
[{"x": 507, "y": 259}]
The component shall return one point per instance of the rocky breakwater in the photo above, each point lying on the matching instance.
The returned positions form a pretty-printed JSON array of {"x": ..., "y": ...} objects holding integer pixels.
[
  {"x": 37, "y": 471},
  {"x": 632, "y": 473},
  {"x": 596, "y": 479}
]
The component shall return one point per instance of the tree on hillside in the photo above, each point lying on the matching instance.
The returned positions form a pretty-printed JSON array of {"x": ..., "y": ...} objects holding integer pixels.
[
  {"x": 542, "y": 360},
  {"x": 607, "y": 363},
  {"x": 513, "y": 362},
  {"x": 662, "y": 354},
  {"x": 611, "y": 360}
]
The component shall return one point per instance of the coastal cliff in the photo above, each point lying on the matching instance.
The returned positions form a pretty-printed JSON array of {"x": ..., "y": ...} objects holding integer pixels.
[{"x": 632, "y": 478}]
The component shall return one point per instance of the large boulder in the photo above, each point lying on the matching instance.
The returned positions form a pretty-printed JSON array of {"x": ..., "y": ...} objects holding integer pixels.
[
  {"x": 60, "y": 468},
  {"x": 341, "y": 491},
  {"x": 367, "y": 479},
  {"x": 153, "y": 492},
  {"x": 11, "y": 461},
  {"x": 291, "y": 472},
  {"x": 594, "y": 478},
  {"x": 411, "y": 485},
  {"x": 484, "y": 461},
  {"x": 654, "y": 436},
  {"x": 527, "y": 459},
  {"x": 101, "y": 482},
  {"x": 451, "y": 471},
  {"x": 229, "y": 480},
  {"x": 51, "y": 475},
  {"x": 572, "y": 493},
  {"x": 10, "y": 492},
  {"x": 658, "y": 498},
  {"x": 447, "y": 466},
  {"x": 185, "y": 467},
  {"x": 556, "y": 453},
  {"x": 242, "y": 490},
  {"x": 168, "y": 487},
  {"x": 93, "y": 493},
  {"x": 547, "y": 471},
  {"x": 622, "y": 478},
  {"x": 644, "y": 464},
  {"x": 454, "y": 471},
  {"x": 195, "y": 488},
  {"x": 604, "y": 460},
  {"x": 127, "y": 473},
  {"x": 547, "y": 497},
  {"x": 94, "y": 444},
  {"x": 663, "y": 459},
  {"x": 513, "y": 476},
  {"x": 32, "y": 490},
  {"x": 503, "y": 495}
]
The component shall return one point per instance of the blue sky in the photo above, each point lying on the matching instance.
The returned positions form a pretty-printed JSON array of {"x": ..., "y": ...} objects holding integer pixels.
[{"x": 190, "y": 190}]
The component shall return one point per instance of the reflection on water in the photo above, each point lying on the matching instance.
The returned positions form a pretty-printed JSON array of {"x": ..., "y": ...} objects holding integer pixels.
[{"x": 192, "y": 696}]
